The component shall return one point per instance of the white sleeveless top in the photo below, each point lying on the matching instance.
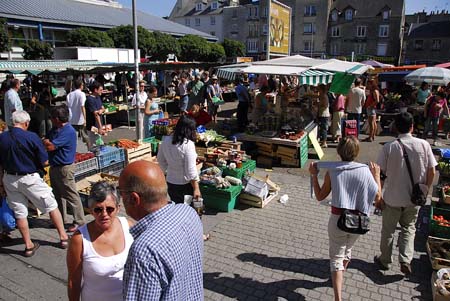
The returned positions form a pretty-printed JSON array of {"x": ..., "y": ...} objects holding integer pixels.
[{"x": 102, "y": 276}]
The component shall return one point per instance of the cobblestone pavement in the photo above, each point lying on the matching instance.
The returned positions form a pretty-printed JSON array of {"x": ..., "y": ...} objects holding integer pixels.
[{"x": 276, "y": 253}]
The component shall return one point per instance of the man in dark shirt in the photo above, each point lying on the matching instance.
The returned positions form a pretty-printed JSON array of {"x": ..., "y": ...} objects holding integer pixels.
[
  {"x": 22, "y": 155},
  {"x": 62, "y": 146},
  {"x": 242, "y": 109},
  {"x": 94, "y": 110}
]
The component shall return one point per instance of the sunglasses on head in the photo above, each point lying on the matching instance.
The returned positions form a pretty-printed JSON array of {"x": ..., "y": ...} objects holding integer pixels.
[{"x": 99, "y": 210}]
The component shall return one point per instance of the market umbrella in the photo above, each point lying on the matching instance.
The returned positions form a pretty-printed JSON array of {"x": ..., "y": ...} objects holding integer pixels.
[
  {"x": 376, "y": 64},
  {"x": 443, "y": 65},
  {"x": 431, "y": 75}
]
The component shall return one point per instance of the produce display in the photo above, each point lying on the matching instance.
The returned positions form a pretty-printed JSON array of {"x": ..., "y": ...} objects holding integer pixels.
[
  {"x": 213, "y": 176},
  {"x": 441, "y": 221},
  {"x": 79, "y": 157},
  {"x": 210, "y": 135},
  {"x": 164, "y": 126},
  {"x": 126, "y": 143}
]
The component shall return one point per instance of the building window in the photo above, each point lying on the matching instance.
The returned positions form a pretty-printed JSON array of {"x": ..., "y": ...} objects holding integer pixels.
[
  {"x": 335, "y": 31},
  {"x": 310, "y": 10},
  {"x": 334, "y": 48},
  {"x": 199, "y": 7},
  {"x": 361, "y": 31},
  {"x": 360, "y": 48},
  {"x": 383, "y": 31},
  {"x": 265, "y": 29},
  {"x": 249, "y": 11},
  {"x": 386, "y": 14},
  {"x": 308, "y": 46},
  {"x": 187, "y": 22},
  {"x": 234, "y": 13},
  {"x": 418, "y": 45},
  {"x": 256, "y": 11},
  {"x": 214, "y": 5},
  {"x": 197, "y": 21},
  {"x": 265, "y": 46},
  {"x": 213, "y": 33},
  {"x": 382, "y": 49},
  {"x": 334, "y": 16},
  {"x": 252, "y": 46},
  {"x": 349, "y": 14},
  {"x": 436, "y": 45},
  {"x": 266, "y": 11},
  {"x": 213, "y": 20},
  {"x": 309, "y": 28}
]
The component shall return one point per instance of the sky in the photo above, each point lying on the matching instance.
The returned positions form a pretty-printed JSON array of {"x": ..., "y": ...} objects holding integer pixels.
[{"x": 163, "y": 8}]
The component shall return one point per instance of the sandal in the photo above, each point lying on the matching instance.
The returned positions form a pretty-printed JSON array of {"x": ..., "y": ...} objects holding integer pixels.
[
  {"x": 64, "y": 243},
  {"x": 205, "y": 237},
  {"x": 29, "y": 252}
]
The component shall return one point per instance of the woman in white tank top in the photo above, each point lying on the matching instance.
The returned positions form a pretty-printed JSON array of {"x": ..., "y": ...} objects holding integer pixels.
[{"x": 98, "y": 250}]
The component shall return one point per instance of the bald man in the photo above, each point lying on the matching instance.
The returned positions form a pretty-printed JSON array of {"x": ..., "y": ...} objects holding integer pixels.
[{"x": 165, "y": 260}]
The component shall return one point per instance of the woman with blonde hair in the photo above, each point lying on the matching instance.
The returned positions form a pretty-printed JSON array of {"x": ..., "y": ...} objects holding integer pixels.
[{"x": 354, "y": 187}]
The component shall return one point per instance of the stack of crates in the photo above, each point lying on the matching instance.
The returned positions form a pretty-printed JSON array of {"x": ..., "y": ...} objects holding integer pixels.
[
  {"x": 239, "y": 173},
  {"x": 220, "y": 199},
  {"x": 85, "y": 168},
  {"x": 350, "y": 128},
  {"x": 111, "y": 159}
]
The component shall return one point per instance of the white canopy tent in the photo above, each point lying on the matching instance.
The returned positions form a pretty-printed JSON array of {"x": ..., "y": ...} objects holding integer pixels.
[{"x": 314, "y": 71}]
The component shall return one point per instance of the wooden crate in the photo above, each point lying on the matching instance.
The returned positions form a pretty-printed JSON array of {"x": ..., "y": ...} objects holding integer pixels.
[
  {"x": 436, "y": 262},
  {"x": 266, "y": 149},
  {"x": 231, "y": 145},
  {"x": 134, "y": 154},
  {"x": 287, "y": 151},
  {"x": 255, "y": 201}
]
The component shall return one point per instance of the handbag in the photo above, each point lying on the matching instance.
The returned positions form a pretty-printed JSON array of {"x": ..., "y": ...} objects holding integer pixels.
[
  {"x": 418, "y": 198},
  {"x": 7, "y": 219},
  {"x": 355, "y": 223}
]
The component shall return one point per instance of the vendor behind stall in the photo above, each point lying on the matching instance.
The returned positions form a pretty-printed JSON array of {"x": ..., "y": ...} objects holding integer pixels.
[
  {"x": 200, "y": 116},
  {"x": 140, "y": 104},
  {"x": 261, "y": 104}
]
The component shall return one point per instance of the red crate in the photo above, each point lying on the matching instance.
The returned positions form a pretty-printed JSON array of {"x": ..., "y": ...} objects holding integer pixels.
[
  {"x": 350, "y": 132},
  {"x": 351, "y": 124}
]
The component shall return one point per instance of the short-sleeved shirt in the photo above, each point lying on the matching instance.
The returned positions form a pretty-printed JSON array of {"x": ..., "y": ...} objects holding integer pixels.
[
  {"x": 65, "y": 141},
  {"x": 165, "y": 259},
  {"x": 12, "y": 103},
  {"x": 214, "y": 90},
  {"x": 242, "y": 93},
  {"x": 355, "y": 101},
  {"x": 75, "y": 101},
  {"x": 434, "y": 112},
  {"x": 14, "y": 159},
  {"x": 397, "y": 186},
  {"x": 93, "y": 103}
]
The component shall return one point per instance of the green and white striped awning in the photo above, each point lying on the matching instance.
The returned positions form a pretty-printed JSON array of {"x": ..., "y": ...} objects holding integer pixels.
[
  {"x": 36, "y": 67},
  {"x": 231, "y": 71},
  {"x": 315, "y": 77}
]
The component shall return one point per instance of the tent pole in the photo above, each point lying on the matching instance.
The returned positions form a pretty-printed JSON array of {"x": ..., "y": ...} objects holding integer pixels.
[{"x": 136, "y": 73}]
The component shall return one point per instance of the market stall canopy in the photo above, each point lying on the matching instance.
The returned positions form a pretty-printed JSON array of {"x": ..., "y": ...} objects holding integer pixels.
[
  {"x": 315, "y": 77},
  {"x": 376, "y": 64},
  {"x": 443, "y": 65},
  {"x": 37, "y": 67},
  {"x": 431, "y": 75},
  {"x": 229, "y": 72}
]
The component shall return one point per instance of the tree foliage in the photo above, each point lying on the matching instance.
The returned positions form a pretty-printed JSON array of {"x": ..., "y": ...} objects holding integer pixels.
[
  {"x": 85, "y": 36},
  {"x": 194, "y": 48},
  {"x": 37, "y": 50},
  {"x": 164, "y": 44},
  {"x": 233, "y": 48},
  {"x": 123, "y": 37},
  {"x": 4, "y": 39},
  {"x": 216, "y": 53}
]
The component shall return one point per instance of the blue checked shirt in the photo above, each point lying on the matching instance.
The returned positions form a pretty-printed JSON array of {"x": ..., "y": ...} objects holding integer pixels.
[{"x": 165, "y": 260}]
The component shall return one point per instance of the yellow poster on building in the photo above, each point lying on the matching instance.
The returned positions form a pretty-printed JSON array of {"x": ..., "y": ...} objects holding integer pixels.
[{"x": 279, "y": 28}]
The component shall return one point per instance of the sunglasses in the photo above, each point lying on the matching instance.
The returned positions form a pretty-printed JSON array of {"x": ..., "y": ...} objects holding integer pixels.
[{"x": 99, "y": 210}]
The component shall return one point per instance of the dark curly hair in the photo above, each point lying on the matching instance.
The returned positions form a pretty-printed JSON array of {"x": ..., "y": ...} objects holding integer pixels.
[{"x": 185, "y": 129}]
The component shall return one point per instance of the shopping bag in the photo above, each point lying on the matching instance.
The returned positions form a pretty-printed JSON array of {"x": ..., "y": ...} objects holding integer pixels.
[
  {"x": 217, "y": 100},
  {"x": 7, "y": 216}
]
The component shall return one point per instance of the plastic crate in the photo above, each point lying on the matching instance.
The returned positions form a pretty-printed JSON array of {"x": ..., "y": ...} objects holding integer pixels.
[
  {"x": 434, "y": 228},
  {"x": 113, "y": 169},
  {"x": 81, "y": 176},
  {"x": 110, "y": 155},
  {"x": 220, "y": 199},
  {"x": 154, "y": 142},
  {"x": 237, "y": 172},
  {"x": 249, "y": 165},
  {"x": 86, "y": 166}
]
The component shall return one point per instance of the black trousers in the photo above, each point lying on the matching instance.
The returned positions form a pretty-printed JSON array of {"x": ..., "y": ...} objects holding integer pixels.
[
  {"x": 242, "y": 115},
  {"x": 177, "y": 192}
]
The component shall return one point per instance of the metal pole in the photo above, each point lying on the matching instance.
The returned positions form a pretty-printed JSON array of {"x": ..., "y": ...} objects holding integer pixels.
[{"x": 136, "y": 72}]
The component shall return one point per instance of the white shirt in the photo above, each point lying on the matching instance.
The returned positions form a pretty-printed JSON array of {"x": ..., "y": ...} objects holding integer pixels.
[
  {"x": 102, "y": 276},
  {"x": 12, "y": 104},
  {"x": 178, "y": 160},
  {"x": 356, "y": 100},
  {"x": 75, "y": 101},
  {"x": 397, "y": 186},
  {"x": 142, "y": 98}
]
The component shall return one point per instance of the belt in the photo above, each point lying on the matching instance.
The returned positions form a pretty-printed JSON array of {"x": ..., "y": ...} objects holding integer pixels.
[{"x": 13, "y": 173}]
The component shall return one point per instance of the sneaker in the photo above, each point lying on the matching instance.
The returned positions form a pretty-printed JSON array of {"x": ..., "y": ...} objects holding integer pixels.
[
  {"x": 379, "y": 265},
  {"x": 405, "y": 268}
]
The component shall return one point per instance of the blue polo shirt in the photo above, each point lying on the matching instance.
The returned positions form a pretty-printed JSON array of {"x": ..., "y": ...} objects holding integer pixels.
[
  {"x": 65, "y": 141},
  {"x": 13, "y": 158},
  {"x": 93, "y": 103}
]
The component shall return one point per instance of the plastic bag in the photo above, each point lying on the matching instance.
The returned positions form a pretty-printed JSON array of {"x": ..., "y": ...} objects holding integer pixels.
[{"x": 7, "y": 216}]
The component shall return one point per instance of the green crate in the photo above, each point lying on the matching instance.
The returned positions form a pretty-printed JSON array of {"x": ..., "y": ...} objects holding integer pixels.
[
  {"x": 434, "y": 228},
  {"x": 249, "y": 165},
  {"x": 154, "y": 142},
  {"x": 220, "y": 199},
  {"x": 237, "y": 172}
]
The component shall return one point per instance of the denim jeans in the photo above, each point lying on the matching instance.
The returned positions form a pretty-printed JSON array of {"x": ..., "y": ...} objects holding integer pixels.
[
  {"x": 323, "y": 128},
  {"x": 433, "y": 123}
]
